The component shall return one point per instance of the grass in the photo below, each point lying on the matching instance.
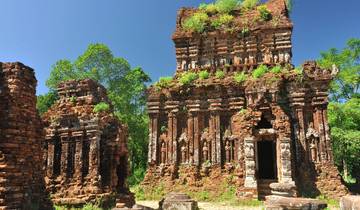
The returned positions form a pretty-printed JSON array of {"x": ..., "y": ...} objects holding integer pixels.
[
  {"x": 260, "y": 71},
  {"x": 240, "y": 77},
  {"x": 249, "y": 4},
  {"x": 222, "y": 20},
  {"x": 219, "y": 74},
  {"x": 188, "y": 77},
  {"x": 264, "y": 12},
  {"x": 101, "y": 107},
  {"x": 196, "y": 22},
  {"x": 275, "y": 69},
  {"x": 204, "y": 75},
  {"x": 88, "y": 206},
  {"x": 329, "y": 201},
  {"x": 164, "y": 82}
]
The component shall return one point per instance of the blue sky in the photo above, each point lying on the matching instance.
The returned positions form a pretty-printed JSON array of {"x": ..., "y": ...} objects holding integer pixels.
[{"x": 40, "y": 32}]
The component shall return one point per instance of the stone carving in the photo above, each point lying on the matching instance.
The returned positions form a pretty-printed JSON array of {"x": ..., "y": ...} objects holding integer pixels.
[
  {"x": 313, "y": 139},
  {"x": 205, "y": 152},
  {"x": 268, "y": 56},
  {"x": 184, "y": 148},
  {"x": 86, "y": 151},
  {"x": 163, "y": 153}
]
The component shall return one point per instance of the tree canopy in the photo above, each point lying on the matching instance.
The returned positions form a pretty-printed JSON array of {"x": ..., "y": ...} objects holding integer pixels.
[
  {"x": 347, "y": 82},
  {"x": 344, "y": 107},
  {"x": 125, "y": 87}
]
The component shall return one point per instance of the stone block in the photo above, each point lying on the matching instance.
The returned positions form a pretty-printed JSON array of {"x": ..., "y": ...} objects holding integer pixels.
[
  {"x": 178, "y": 201},
  {"x": 350, "y": 202},
  {"x": 274, "y": 202}
]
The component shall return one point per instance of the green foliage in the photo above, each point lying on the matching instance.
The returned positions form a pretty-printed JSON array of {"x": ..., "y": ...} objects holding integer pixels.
[
  {"x": 150, "y": 193},
  {"x": 275, "y": 69},
  {"x": 208, "y": 8},
  {"x": 91, "y": 207},
  {"x": 264, "y": 12},
  {"x": 44, "y": 102},
  {"x": 243, "y": 111},
  {"x": 344, "y": 119},
  {"x": 163, "y": 129},
  {"x": 204, "y": 74},
  {"x": 164, "y": 82},
  {"x": 188, "y": 77},
  {"x": 73, "y": 99},
  {"x": 125, "y": 87},
  {"x": 259, "y": 71},
  {"x": 249, "y": 4},
  {"x": 101, "y": 107},
  {"x": 197, "y": 22},
  {"x": 226, "y": 6},
  {"x": 289, "y": 5},
  {"x": 245, "y": 31},
  {"x": 222, "y": 20},
  {"x": 240, "y": 77},
  {"x": 344, "y": 110},
  {"x": 219, "y": 74},
  {"x": 298, "y": 70},
  {"x": 347, "y": 83}
]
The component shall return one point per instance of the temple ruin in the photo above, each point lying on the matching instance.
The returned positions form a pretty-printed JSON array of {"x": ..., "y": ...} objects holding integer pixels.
[
  {"x": 85, "y": 148},
  {"x": 270, "y": 133},
  {"x": 22, "y": 184}
]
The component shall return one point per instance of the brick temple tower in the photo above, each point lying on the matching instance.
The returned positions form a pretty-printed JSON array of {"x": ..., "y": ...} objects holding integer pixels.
[
  {"x": 270, "y": 131},
  {"x": 85, "y": 150},
  {"x": 22, "y": 184}
]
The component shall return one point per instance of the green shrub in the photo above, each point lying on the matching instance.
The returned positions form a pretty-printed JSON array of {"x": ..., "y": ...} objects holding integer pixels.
[
  {"x": 220, "y": 74},
  {"x": 197, "y": 22},
  {"x": 203, "y": 74},
  {"x": 264, "y": 12},
  {"x": 226, "y": 6},
  {"x": 73, "y": 99},
  {"x": 91, "y": 207},
  {"x": 208, "y": 8},
  {"x": 275, "y": 69},
  {"x": 240, "y": 77},
  {"x": 164, "y": 82},
  {"x": 243, "y": 111},
  {"x": 259, "y": 71},
  {"x": 245, "y": 31},
  {"x": 298, "y": 70},
  {"x": 249, "y": 4},
  {"x": 224, "y": 19},
  {"x": 163, "y": 129},
  {"x": 101, "y": 107},
  {"x": 188, "y": 77}
]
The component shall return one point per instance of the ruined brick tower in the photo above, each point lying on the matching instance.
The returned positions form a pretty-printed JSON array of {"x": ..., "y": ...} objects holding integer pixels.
[
  {"x": 22, "y": 184},
  {"x": 86, "y": 149},
  {"x": 268, "y": 131}
]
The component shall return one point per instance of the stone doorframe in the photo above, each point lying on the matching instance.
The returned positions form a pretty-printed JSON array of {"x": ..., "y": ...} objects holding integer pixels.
[{"x": 283, "y": 160}]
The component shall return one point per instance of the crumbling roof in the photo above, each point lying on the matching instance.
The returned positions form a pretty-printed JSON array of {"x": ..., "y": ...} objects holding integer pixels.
[{"x": 243, "y": 18}]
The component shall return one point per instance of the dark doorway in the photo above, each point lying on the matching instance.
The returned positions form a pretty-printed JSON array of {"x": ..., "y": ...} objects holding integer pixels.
[{"x": 267, "y": 159}]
